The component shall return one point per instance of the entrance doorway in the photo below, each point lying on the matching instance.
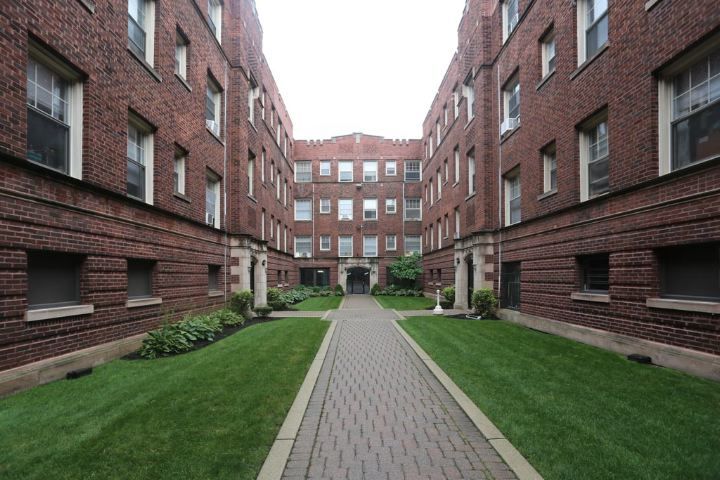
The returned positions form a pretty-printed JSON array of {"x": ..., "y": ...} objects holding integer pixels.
[
  {"x": 252, "y": 275},
  {"x": 358, "y": 280},
  {"x": 470, "y": 280}
]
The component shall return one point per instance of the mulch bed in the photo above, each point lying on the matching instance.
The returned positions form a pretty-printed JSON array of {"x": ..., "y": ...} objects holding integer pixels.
[{"x": 226, "y": 332}]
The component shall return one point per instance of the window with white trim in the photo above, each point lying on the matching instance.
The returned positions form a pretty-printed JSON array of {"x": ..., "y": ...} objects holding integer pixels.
[
  {"x": 212, "y": 106},
  {"x": 345, "y": 171},
  {"x": 549, "y": 169},
  {"x": 592, "y": 21},
  {"x": 303, "y": 209},
  {"x": 439, "y": 184},
  {"x": 303, "y": 172},
  {"x": 456, "y": 102},
  {"x": 390, "y": 168},
  {"x": 325, "y": 167},
  {"x": 431, "y": 191},
  {"x": 263, "y": 99},
  {"x": 594, "y": 158},
  {"x": 181, "y": 52},
  {"x": 345, "y": 246},
  {"x": 439, "y": 234},
  {"x": 510, "y": 16},
  {"x": 262, "y": 166},
  {"x": 140, "y": 160},
  {"x": 251, "y": 174},
  {"x": 277, "y": 186},
  {"x": 447, "y": 226},
  {"x": 469, "y": 93},
  {"x": 303, "y": 246},
  {"x": 390, "y": 206},
  {"x": 413, "y": 209},
  {"x": 325, "y": 242},
  {"x": 212, "y": 200},
  {"x": 345, "y": 209},
  {"x": 215, "y": 17},
  {"x": 391, "y": 242},
  {"x": 179, "y": 171},
  {"x": 253, "y": 94},
  {"x": 456, "y": 159},
  {"x": 370, "y": 246},
  {"x": 272, "y": 227},
  {"x": 512, "y": 198},
  {"x": 412, "y": 244},
  {"x": 438, "y": 131},
  {"x": 445, "y": 114},
  {"x": 511, "y": 108},
  {"x": 262, "y": 225},
  {"x": 457, "y": 222},
  {"x": 431, "y": 234},
  {"x": 54, "y": 113},
  {"x": 471, "y": 173},
  {"x": 370, "y": 206},
  {"x": 370, "y": 171},
  {"x": 548, "y": 54},
  {"x": 430, "y": 145},
  {"x": 141, "y": 29},
  {"x": 413, "y": 171},
  {"x": 447, "y": 172},
  {"x": 325, "y": 205}
]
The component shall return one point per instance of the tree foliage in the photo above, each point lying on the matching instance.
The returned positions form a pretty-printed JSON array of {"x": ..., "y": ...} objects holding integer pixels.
[{"x": 407, "y": 269}]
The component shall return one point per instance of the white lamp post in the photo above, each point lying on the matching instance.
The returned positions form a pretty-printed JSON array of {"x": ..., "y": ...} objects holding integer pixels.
[{"x": 438, "y": 309}]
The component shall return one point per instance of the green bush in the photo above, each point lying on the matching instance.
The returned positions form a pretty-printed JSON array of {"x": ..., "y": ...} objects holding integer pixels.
[
  {"x": 375, "y": 290},
  {"x": 273, "y": 294},
  {"x": 339, "y": 291},
  {"x": 203, "y": 327},
  {"x": 449, "y": 294},
  {"x": 263, "y": 311},
  {"x": 484, "y": 302},
  {"x": 407, "y": 269},
  {"x": 228, "y": 318},
  {"x": 166, "y": 340},
  {"x": 242, "y": 303},
  {"x": 278, "y": 306}
]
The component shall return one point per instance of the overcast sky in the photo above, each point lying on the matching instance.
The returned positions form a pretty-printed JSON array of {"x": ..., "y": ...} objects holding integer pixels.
[{"x": 370, "y": 66}]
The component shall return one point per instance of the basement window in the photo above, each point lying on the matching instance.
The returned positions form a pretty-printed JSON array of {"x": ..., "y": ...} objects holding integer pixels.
[
  {"x": 690, "y": 272},
  {"x": 595, "y": 273},
  {"x": 53, "y": 280},
  {"x": 139, "y": 275}
]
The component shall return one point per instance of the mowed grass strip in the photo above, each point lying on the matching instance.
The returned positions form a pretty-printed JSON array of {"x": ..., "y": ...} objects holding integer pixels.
[
  {"x": 405, "y": 303},
  {"x": 578, "y": 412},
  {"x": 212, "y": 413},
  {"x": 318, "y": 304}
]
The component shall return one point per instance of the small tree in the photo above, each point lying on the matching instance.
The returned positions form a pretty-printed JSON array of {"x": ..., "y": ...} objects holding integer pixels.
[
  {"x": 407, "y": 269},
  {"x": 484, "y": 302},
  {"x": 449, "y": 294}
]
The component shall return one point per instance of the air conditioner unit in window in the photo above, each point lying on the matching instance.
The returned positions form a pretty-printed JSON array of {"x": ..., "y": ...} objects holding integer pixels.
[
  {"x": 509, "y": 124},
  {"x": 210, "y": 219},
  {"x": 211, "y": 125}
]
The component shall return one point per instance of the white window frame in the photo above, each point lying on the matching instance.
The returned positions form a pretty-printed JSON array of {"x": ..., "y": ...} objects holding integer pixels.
[
  {"x": 456, "y": 102},
  {"x": 368, "y": 171},
  {"x": 585, "y": 144},
  {"x": 447, "y": 226},
  {"x": 74, "y": 90},
  {"x": 181, "y": 53},
  {"x": 325, "y": 247},
  {"x": 306, "y": 241},
  {"x": 583, "y": 27},
  {"x": 511, "y": 90},
  {"x": 510, "y": 18},
  {"x": 306, "y": 204},
  {"x": 469, "y": 94},
  {"x": 456, "y": 157},
  {"x": 431, "y": 234},
  {"x": 262, "y": 166},
  {"x": 212, "y": 180},
  {"x": 391, "y": 206},
  {"x": 549, "y": 165},
  {"x": 391, "y": 246},
  {"x": 446, "y": 169},
  {"x": 253, "y": 94},
  {"x": 419, "y": 244},
  {"x": 457, "y": 223},
  {"x": 215, "y": 16},
  {"x": 510, "y": 196},
  {"x": 325, "y": 202},
  {"x": 285, "y": 192},
  {"x": 323, "y": 171},
  {"x": 431, "y": 190},
  {"x": 179, "y": 166},
  {"x": 251, "y": 175},
  {"x": 148, "y": 27},
  {"x": 148, "y": 140},
  {"x": 341, "y": 170},
  {"x": 390, "y": 168},
  {"x": 549, "y": 52},
  {"x": 416, "y": 167},
  {"x": 262, "y": 225},
  {"x": 439, "y": 184},
  {"x": 406, "y": 209},
  {"x": 472, "y": 172},
  {"x": 370, "y": 205},
  {"x": 438, "y": 131},
  {"x": 439, "y": 234},
  {"x": 340, "y": 208},
  {"x": 340, "y": 245},
  {"x": 213, "y": 93},
  {"x": 303, "y": 167},
  {"x": 366, "y": 239}
]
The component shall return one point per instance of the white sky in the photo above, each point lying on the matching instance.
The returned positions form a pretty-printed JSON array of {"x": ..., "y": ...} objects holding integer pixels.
[{"x": 370, "y": 66}]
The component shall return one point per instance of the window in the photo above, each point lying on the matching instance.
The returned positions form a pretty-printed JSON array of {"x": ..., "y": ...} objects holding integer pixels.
[
  {"x": 325, "y": 168},
  {"x": 141, "y": 29},
  {"x": 595, "y": 273},
  {"x": 370, "y": 206},
  {"x": 390, "y": 206},
  {"x": 512, "y": 199},
  {"x": 430, "y": 145},
  {"x": 345, "y": 171},
  {"x": 439, "y": 233},
  {"x": 253, "y": 94},
  {"x": 140, "y": 160},
  {"x": 694, "y": 122},
  {"x": 413, "y": 210},
  {"x": 325, "y": 205},
  {"x": 303, "y": 172},
  {"x": 345, "y": 209},
  {"x": 262, "y": 166},
  {"x": 181, "y": 49},
  {"x": 179, "y": 171},
  {"x": 510, "y": 17},
  {"x": 439, "y": 184},
  {"x": 251, "y": 174},
  {"x": 549, "y": 169},
  {"x": 447, "y": 226},
  {"x": 690, "y": 272},
  {"x": 445, "y": 114},
  {"x": 431, "y": 233},
  {"x": 277, "y": 230},
  {"x": 439, "y": 132},
  {"x": 215, "y": 17},
  {"x": 457, "y": 223},
  {"x": 447, "y": 172},
  {"x": 277, "y": 186},
  {"x": 592, "y": 20},
  {"x": 548, "y": 54},
  {"x": 212, "y": 106},
  {"x": 53, "y": 280},
  {"x": 212, "y": 200},
  {"x": 315, "y": 277},
  {"x": 303, "y": 209},
  {"x": 456, "y": 155},
  {"x": 390, "y": 168},
  {"x": 285, "y": 145},
  {"x": 412, "y": 171},
  {"x": 345, "y": 246},
  {"x": 594, "y": 160},
  {"x": 370, "y": 171},
  {"x": 303, "y": 246},
  {"x": 272, "y": 171},
  {"x": 213, "y": 278},
  {"x": 456, "y": 102},
  {"x": 272, "y": 116},
  {"x": 370, "y": 246},
  {"x": 54, "y": 114},
  {"x": 262, "y": 225},
  {"x": 391, "y": 243},
  {"x": 278, "y": 132},
  {"x": 431, "y": 190},
  {"x": 471, "y": 173},
  {"x": 263, "y": 99},
  {"x": 139, "y": 276},
  {"x": 469, "y": 93},
  {"x": 412, "y": 244},
  {"x": 511, "y": 94},
  {"x": 272, "y": 226},
  {"x": 325, "y": 243}
]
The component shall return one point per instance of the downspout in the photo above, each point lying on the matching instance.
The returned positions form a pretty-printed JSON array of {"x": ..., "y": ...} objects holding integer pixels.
[
  {"x": 225, "y": 203},
  {"x": 500, "y": 184}
]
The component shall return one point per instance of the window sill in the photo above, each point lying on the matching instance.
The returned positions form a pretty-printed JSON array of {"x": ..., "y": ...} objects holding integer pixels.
[
  {"x": 182, "y": 197},
  {"x": 252, "y": 198},
  {"x": 184, "y": 82},
  {"x": 590, "y": 297},
  {"x": 509, "y": 134},
  {"x": 215, "y": 293},
  {"x": 58, "y": 312},
  {"x": 250, "y": 122},
  {"x": 547, "y": 194},
  {"x": 470, "y": 196},
  {"x": 590, "y": 60},
  {"x": 145, "y": 65},
  {"x": 684, "y": 305},
  {"x": 455, "y": 184},
  {"x": 545, "y": 80},
  {"x": 650, "y": 4},
  {"x": 89, "y": 5},
  {"x": 143, "y": 302},
  {"x": 469, "y": 122},
  {"x": 216, "y": 136}
]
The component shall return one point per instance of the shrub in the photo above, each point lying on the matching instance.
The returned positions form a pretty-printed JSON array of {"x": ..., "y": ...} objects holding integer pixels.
[
  {"x": 200, "y": 328},
  {"x": 407, "y": 269},
  {"x": 449, "y": 294},
  {"x": 273, "y": 294},
  {"x": 339, "y": 291},
  {"x": 375, "y": 290},
  {"x": 263, "y": 311},
  {"x": 484, "y": 302},
  {"x": 228, "y": 318},
  {"x": 278, "y": 305},
  {"x": 166, "y": 340},
  {"x": 242, "y": 302}
]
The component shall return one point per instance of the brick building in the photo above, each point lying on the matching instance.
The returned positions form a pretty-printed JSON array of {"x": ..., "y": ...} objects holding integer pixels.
[{"x": 148, "y": 170}]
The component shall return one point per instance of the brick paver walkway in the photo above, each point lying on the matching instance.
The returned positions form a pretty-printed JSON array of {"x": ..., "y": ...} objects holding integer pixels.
[{"x": 378, "y": 412}]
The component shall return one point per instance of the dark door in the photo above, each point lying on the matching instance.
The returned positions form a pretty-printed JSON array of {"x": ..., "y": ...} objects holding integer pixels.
[
  {"x": 510, "y": 286},
  {"x": 252, "y": 277},
  {"x": 358, "y": 281},
  {"x": 470, "y": 279}
]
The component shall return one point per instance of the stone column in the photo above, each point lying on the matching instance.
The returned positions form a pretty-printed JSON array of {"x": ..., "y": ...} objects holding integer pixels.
[
  {"x": 461, "y": 284},
  {"x": 261, "y": 278}
]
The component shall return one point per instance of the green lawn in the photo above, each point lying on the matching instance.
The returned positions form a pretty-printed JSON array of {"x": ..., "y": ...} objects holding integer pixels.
[
  {"x": 213, "y": 413},
  {"x": 318, "y": 304},
  {"x": 578, "y": 412},
  {"x": 405, "y": 303}
]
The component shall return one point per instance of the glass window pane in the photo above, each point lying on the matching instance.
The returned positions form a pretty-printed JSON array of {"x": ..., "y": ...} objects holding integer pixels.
[
  {"x": 53, "y": 280},
  {"x": 697, "y": 137},
  {"x": 135, "y": 179},
  {"x": 47, "y": 141},
  {"x": 139, "y": 279}
]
